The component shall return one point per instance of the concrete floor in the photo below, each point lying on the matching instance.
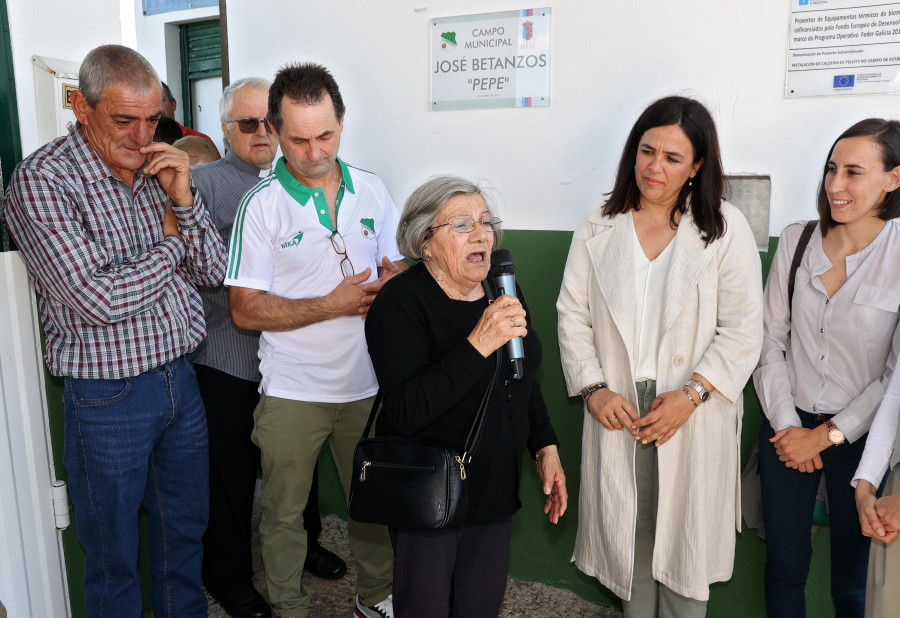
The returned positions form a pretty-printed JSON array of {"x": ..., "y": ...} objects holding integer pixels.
[{"x": 335, "y": 598}]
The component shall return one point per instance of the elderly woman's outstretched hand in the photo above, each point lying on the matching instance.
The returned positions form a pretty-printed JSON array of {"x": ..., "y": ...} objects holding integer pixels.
[
  {"x": 554, "y": 479},
  {"x": 501, "y": 321}
]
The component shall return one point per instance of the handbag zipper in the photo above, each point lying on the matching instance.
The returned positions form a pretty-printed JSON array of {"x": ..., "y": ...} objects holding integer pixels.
[{"x": 366, "y": 464}]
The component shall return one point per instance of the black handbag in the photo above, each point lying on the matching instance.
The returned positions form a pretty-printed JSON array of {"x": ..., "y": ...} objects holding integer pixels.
[{"x": 413, "y": 483}]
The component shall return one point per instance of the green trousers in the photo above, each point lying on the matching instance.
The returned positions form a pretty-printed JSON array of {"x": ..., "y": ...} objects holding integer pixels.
[{"x": 290, "y": 435}]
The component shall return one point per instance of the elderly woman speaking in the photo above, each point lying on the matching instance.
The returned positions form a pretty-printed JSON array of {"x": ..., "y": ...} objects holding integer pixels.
[{"x": 432, "y": 335}]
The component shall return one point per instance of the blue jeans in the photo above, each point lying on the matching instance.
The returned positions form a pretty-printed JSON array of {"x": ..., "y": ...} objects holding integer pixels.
[
  {"x": 789, "y": 497},
  {"x": 134, "y": 441}
]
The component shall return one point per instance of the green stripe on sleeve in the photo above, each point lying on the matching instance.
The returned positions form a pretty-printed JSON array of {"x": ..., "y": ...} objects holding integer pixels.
[{"x": 234, "y": 252}]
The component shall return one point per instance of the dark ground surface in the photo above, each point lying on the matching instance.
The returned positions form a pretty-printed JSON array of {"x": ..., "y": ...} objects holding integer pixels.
[{"x": 335, "y": 598}]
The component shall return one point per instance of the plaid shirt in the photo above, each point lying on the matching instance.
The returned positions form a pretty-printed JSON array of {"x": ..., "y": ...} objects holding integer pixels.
[{"x": 116, "y": 296}]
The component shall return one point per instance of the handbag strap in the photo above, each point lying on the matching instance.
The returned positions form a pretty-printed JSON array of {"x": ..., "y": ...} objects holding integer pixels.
[
  {"x": 475, "y": 431},
  {"x": 377, "y": 402},
  {"x": 477, "y": 428},
  {"x": 798, "y": 257}
]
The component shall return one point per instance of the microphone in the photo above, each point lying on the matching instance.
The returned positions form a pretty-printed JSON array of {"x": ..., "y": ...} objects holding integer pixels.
[{"x": 503, "y": 272}]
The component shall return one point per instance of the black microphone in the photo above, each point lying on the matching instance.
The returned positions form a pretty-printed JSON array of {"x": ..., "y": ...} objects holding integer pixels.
[{"x": 503, "y": 272}]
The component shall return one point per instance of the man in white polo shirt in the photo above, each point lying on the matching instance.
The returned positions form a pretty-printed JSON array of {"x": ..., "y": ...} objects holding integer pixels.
[{"x": 307, "y": 247}]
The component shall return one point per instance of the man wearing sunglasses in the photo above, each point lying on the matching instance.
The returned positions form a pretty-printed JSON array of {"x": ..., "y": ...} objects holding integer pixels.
[
  {"x": 228, "y": 372},
  {"x": 306, "y": 246}
]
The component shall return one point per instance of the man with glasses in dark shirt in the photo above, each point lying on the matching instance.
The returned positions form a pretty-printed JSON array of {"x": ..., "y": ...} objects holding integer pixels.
[
  {"x": 228, "y": 372},
  {"x": 306, "y": 245}
]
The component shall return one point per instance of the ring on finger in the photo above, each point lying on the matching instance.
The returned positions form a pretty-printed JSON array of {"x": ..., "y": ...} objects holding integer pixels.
[{"x": 611, "y": 418}]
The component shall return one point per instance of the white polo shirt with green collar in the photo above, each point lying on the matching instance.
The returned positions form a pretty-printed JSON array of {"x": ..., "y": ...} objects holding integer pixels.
[{"x": 281, "y": 244}]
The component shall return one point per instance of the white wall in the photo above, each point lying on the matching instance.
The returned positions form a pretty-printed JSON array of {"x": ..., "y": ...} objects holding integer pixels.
[
  {"x": 55, "y": 29},
  {"x": 68, "y": 30},
  {"x": 609, "y": 60},
  {"x": 157, "y": 40}
]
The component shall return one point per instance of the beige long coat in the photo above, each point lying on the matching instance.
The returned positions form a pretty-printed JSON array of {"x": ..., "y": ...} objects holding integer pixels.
[{"x": 711, "y": 324}]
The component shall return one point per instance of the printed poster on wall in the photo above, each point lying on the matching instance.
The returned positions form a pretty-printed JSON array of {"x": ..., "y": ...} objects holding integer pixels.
[
  {"x": 840, "y": 47},
  {"x": 491, "y": 60}
]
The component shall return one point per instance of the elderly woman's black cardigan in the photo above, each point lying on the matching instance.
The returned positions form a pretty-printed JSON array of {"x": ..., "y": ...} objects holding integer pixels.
[{"x": 432, "y": 381}]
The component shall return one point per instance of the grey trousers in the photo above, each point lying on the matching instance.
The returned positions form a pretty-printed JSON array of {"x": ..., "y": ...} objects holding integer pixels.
[{"x": 649, "y": 598}]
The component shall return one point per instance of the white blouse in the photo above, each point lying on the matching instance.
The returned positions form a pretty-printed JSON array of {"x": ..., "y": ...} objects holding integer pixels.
[
  {"x": 834, "y": 355},
  {"x": 882, "y": 436},
  {"x": 650, "y": 284}
]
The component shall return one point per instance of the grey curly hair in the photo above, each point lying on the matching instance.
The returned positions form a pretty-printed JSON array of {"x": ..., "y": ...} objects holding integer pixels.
[{"x": 423, "y": 205}]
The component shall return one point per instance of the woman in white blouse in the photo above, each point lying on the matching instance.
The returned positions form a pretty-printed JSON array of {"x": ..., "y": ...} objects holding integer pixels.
[
  {"x": 827, "y": 357},
  {"x": 660, "y": 326}
]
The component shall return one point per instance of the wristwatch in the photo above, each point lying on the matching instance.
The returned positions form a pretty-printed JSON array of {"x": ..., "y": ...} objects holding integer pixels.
[
  {"x": 699, "y": 389},
  {"x": 835, "y": 435}
]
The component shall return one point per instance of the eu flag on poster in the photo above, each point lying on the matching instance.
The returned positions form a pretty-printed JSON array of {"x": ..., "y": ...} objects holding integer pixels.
[{"x": 844, "y": 81}]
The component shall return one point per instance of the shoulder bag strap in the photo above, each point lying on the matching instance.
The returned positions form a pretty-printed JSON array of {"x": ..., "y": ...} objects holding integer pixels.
[
  {"x": 798, "y": 257},
  {"x": 474, "y": 437},
  {"x": 475, "y": 431},
  {"x": 375, "y": 404}
]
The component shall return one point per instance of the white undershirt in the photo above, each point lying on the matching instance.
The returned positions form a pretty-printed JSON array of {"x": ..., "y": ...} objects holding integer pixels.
[{"x": 649, "y": 286}]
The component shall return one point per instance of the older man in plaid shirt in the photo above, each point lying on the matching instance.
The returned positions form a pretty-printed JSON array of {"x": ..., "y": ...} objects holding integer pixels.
[{"x": 115, "y": 240}]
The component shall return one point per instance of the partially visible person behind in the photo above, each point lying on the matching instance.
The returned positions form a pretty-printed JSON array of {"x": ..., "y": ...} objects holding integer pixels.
[
  {"x": 168, "y": 131},
  {"x": 199, "y": 150},
  {"x": 115, "y": 240},
  {"x": 879, "y": 518},
  {"x": 660, "y": 326},
  {"x": 228, "y": 367},
  {"x": 169, "y": 104},
  {"x": 432, "y": 336},
  {"x": 827, "y": 357},
  {"x": 306, "y": 245},
  {"x": 228, "y": 371}
]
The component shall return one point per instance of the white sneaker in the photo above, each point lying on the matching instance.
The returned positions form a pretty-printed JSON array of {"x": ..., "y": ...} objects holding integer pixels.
[{"x": 385, "y": 609}]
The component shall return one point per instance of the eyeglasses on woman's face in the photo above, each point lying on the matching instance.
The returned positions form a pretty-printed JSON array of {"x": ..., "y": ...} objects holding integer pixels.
[{"x": 467, "y": 225}]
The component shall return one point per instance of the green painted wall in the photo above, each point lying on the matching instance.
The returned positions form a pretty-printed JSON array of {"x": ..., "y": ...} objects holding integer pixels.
[
  {"x": 540, "y": 551},
  {"x": 10, "y": 144}
]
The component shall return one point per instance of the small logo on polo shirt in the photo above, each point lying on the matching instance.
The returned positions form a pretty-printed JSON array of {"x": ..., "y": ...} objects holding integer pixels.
[
  {"x": 367, "y": 228},
  {"x": 293, "y": 242}
]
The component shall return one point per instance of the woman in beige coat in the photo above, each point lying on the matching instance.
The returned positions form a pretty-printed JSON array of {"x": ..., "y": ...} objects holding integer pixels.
[{"x": 660, "y": 326}]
